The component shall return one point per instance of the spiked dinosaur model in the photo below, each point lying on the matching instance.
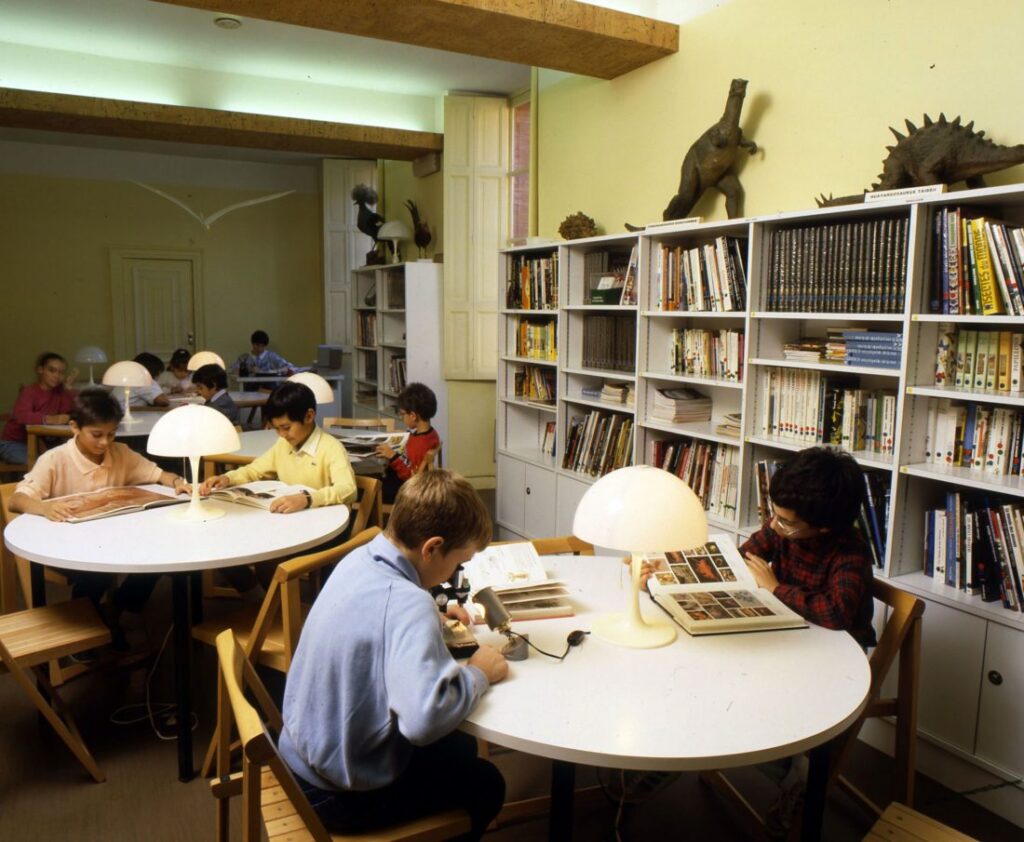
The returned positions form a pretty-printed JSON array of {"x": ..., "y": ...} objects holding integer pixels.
[
  {"x": 708, "y": 162},
  {"x": 940, "y": 152}
]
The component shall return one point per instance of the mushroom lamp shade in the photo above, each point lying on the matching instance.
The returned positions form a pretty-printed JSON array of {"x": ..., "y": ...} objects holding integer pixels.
[
  {"x": 125, "y": 375},
  {"x": 90, "y": 355},
  {"x": 193, "y": 431},
  {"x": 394, "y": 231},
  {"x": 201, "y": 358},
  {"x": 639, "y": 510},
  {"x": 320, "y": 388}
]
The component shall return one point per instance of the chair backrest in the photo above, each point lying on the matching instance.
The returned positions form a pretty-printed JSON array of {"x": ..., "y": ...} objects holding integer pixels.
[
  {"x": 905, "y": 610},
  {"x": 428, "y": 459},
  {"x": 385, "y": 424},
  {"x": 237, "y": 674},
  {"x": 14, "y": 570},
  {"x": 366, "y": 510},
  {"x": 284, "y": 598}
]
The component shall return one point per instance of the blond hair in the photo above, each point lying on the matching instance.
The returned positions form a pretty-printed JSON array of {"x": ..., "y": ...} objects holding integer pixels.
[{"x": 439, "y": 503}]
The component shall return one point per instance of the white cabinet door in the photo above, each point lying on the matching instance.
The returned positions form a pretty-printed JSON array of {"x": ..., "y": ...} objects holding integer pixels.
[
  {"x": 952, "y": 649},
  {"x": 1000, "y": 720},
  {"x": 539, "y": 502},
  {"x": 510, "y": 504},
  {"x": 570, "y": 492}
]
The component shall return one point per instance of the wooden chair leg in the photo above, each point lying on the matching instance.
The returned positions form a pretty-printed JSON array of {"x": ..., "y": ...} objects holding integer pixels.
[
  {"x": 858, "y": 796},
  {"x": 906, "y": 715},
  {"x": 749, "y": 819}
]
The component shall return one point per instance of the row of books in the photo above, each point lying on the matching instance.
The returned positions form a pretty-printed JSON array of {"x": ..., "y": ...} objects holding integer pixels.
[
  {"x": 990, "y": 360},
  {"x": 855, "y": 267},
  {"x": 977, "y": 545},
  {"x": 711, "y": 277},
  {"x": 680, "y": 405},
  {"x": 532, "y": 283},
  {"x": 537, "y": 339},
  {"x": 535, "y": 383},
  {"x": 977, "y": 266},
  {"x": 369, "y": 359},
  {"x": 598, "y": 442},
  {"x": 813, "y": 407},
  {"x": 982, "y": 438},
  {"x": 611, "y": 392},
  {"x": 396, "y": 374},
  {"x": 710, "y": 469},
  {"x": 872, "y": 518},
  {"x": 872, "y": 348},
  {"x": 549, "y": 442},
  {"x": 366, "y": 328},
  {"x": 609, "y": 342},
  {"x": 611, "y": 278},
  {"x": 707, "y": 353}
]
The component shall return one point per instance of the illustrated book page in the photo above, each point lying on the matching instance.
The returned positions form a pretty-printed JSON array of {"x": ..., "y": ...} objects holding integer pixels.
[
  {"x": 517, "y": 576},
  {"x": 361, "y": 446},
  {"x": 106, "y": 502},
  {"x": 259, "y": 494},
  {"x": 710, "y": 590}
]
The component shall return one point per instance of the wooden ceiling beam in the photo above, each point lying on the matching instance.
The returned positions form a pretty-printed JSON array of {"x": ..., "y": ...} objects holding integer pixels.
[
  {"x": 124, "y": 118},
  {"x": 556, "y": 34}
]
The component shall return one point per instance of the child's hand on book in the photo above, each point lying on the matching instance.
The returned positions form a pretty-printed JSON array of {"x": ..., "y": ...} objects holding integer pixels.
[
  {"x": 288, "y": 504},
  {"x": 58, "y": 510},
  {"x": 646, "y": 569},
  {"x": 214, "y": 484},
  {"x": 385, "y": 450},
  {"x": 762, "y": 572}
]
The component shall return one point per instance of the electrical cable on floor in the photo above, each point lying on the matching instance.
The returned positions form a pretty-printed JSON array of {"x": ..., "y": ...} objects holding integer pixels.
[
  {"x": 1015, "y": 783},
  {"x": 160, "y": 712}
]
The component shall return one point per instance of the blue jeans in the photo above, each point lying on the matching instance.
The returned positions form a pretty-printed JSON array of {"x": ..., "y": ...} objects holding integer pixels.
[{"x": 13, "y": 452}]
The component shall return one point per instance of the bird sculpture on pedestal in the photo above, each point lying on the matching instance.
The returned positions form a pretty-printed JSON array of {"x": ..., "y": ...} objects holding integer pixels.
[
  {"x": 368, "y": 221},
  {"x": 421, "y": 231}
]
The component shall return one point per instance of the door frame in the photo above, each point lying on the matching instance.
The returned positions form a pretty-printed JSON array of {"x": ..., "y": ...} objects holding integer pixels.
[{"x": 119, "y": 299}]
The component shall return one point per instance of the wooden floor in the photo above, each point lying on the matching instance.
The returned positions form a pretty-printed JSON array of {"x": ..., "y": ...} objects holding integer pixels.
[{"x": 45, "y": 794}]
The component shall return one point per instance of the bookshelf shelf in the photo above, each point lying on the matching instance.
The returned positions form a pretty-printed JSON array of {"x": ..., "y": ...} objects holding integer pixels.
[
  {"x": 985, "y": 396},
  {"x": 366, "y": 382},
  {"x": 864, "y": 458},
  {"x": 694, "y": 314},
  {"x": 828, "y": 317},
  {"x": 531, "y": 313},
  {"x": 607, "y": 374},
  {"x": 590, "y": 308},
  {"x": 366, "y": 347},
  {"x": 529, "y": 361},
  {"x": 932, "y": 589},
  {"x": 688, "y": 378},
  {"x": 721, "y": 524},
  {"x": 966, "y": 320},
  {"x": 579, "y": 400},
  {"x": 704, "y": 430},
  {"x": 824, "y": 366},
  {"x": 530, "y": 454},
  {"x": 967, "y": 478},
  {"x": 540, "y": 407},
  {"x": 392, "y": 345}
]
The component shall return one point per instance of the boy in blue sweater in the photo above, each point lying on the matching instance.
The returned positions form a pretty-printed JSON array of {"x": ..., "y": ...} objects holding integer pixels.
[{"x": 373, "y": 698}]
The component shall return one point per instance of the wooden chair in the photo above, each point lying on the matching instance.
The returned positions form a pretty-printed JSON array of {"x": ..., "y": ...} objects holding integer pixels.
[
  {"x": 6, "y": 468},
  {"x": 384, "y": 424},
  {"x": 15, "y": 567},
  {"x": 36, "y": 435},
  {"x": 901, "y": 637},
  {"x": 271, "y": 797},
  {"x": 270, "y": 631},
  {"x": 901, "y": 824},
  {"x": 30, "y": 639},
  {"x": 426, "y": 465}
]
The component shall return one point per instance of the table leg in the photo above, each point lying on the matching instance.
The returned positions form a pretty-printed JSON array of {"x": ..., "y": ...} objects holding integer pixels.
[
  {"x": 37, "y": 572},
  {"x": 183, "y": 673},
  {"x": 196, "y": 594},
  {"x": 817, "y": 787},
  {"x": 563, "y": 789}
]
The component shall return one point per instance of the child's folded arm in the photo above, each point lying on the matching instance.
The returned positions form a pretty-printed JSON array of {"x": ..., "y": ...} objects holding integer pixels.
[{"x": 835, "y": 607}]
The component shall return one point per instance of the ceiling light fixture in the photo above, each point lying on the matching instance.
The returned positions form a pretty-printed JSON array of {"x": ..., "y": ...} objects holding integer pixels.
[{"x": 227, "y": 23}]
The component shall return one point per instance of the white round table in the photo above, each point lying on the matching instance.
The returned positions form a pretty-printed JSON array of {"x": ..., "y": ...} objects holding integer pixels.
[
  {"x": 700, "y": 703},
  {"x": 154, "y": 542}
]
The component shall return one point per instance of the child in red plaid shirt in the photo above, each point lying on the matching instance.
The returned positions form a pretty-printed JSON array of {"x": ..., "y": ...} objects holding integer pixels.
[{"x": 809, "y": 554}]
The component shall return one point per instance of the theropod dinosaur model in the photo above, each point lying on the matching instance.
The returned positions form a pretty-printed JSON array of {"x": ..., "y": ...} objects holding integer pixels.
[
  {"x": 708, "y": 162},
  {"x": 940, "y": 152}
]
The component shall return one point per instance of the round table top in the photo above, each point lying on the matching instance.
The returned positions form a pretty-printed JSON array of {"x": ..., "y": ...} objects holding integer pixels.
[
  {"x": 710, "y": 702},
  {"x": 153, "y": 541}
]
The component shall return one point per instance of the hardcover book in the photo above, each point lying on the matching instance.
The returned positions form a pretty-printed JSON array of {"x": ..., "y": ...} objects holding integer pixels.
[
  {"x": 710, "y": 590},
  {"x": 107, "y": 502},
  {"x": 259, "y": 494},
  {"x": 516, "y": 575}
]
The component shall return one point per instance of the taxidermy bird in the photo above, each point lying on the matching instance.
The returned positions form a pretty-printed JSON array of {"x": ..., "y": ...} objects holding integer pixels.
[
  {"x": 368, "y": 221},
  {"x": 203, "y": 219},
  {"x": 421, "y": 231}
]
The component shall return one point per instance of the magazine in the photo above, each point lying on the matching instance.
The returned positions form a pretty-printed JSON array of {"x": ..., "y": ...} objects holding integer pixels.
[
  {"x": 360, "y": 445},
  {"x": 515, "y": 573},
  {"x": 259, "y": 494},
  {"x": 92, "y": 505},
  {"x": 710, "y": 590}
]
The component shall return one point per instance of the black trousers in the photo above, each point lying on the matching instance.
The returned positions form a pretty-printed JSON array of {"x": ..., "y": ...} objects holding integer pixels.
[
  {"x": 131, "y": 595},
  {"x": 442, "y": 776}
]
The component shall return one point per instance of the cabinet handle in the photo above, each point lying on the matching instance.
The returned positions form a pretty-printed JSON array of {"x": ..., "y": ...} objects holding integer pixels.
[
  {"x": 995, "y": 677},
  {"x": 527, "y": 490}
]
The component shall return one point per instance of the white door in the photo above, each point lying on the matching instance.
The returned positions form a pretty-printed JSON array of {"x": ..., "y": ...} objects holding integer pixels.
[{"x": 154, "y": 304}]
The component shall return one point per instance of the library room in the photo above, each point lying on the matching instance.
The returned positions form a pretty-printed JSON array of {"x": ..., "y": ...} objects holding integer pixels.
[{"x": 384, "y": 380}]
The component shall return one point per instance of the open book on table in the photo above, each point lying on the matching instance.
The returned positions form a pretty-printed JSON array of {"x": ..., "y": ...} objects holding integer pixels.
[
  {"x": 360, "y": 445},
  {"x": 91, "y": 505},
  {"x": 259, "y": 494},
  {"x": 515, "y": 573},
  {"x": 710, "y": 590}
]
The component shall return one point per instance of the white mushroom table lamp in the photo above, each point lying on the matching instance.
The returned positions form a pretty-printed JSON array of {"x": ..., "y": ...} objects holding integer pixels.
[
  {"x": 91, "y": 355},
  {"x": 394, "y": 231},
  {"x": 639, "y": 510},
  {"x": 126, "y": 375},
  {"x": 201, "y": 358},
  {"x": 320, "y": 388}
]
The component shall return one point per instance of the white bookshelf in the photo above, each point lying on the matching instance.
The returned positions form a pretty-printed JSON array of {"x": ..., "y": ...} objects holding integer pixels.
[
  {"x": 552, "y": 493},
  {"x": 404, "y": 300}
]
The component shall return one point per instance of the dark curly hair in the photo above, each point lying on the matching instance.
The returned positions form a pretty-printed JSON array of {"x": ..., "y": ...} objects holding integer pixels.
[
  {"x": 416, "y": 397},
  {"x": 825, "y": 487}
]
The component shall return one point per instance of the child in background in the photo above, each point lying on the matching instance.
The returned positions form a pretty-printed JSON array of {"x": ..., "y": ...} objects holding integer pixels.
[
  {"x": 303, "y": 455},
  {"x": 417, "y": 404},
  {"x": 151, "y": 395},
  {"x": 211, "y": 384},
  {"x": 92, "y": 460},
  {"x": 47, "y": 401},
  {"x": 260, "y": 359},
  {"x": 373, "y": 698},
  {"x": 177, "y": 379}
]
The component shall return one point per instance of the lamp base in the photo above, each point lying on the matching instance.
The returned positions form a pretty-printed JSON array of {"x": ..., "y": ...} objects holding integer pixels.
[
  {"x": 197, "y": 512},
  {"x": 625, "y": 630}
]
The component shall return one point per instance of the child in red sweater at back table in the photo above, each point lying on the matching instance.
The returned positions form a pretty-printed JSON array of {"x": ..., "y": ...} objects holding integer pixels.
[
  {"x": 47, "y": 401},
  {"x": 417, "y": 404}
]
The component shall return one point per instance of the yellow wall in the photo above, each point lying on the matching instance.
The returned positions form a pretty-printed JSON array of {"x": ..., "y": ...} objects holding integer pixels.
[
  {"x": 401, "y": 185},
  {"x": 261, "y": 265},
  {"x": 826, "y": 80}
]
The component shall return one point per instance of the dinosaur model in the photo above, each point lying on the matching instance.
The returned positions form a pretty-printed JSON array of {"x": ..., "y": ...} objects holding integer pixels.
[
  {"x": 940, "y": 152},
  {"x": 708, "y": 162},
  {"x": 420, "y": 230}
]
